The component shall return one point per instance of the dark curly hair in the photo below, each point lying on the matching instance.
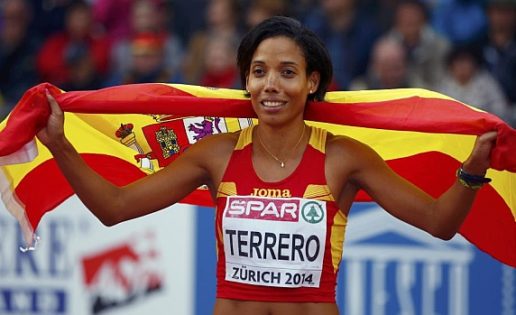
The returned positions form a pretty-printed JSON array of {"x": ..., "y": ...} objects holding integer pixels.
[{"x": 315, "y": 53}]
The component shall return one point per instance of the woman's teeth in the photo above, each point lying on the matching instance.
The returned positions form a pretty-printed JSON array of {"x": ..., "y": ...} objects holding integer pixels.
[{"x": 272, "y": 103}]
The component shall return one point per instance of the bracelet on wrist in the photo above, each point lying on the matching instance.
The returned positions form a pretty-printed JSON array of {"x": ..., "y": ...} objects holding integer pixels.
[{"x": 471, "y": 181}]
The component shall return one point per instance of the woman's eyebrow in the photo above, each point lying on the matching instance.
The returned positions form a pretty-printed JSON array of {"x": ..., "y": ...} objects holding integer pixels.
[{"x": 288, "y": 63}]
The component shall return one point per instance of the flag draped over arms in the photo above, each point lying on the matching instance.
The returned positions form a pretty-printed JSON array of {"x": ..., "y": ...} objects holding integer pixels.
[{"x": 127, "y": 132}]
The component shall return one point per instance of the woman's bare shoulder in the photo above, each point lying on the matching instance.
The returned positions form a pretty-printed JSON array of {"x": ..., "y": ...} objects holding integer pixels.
[
  {"x": 350, "y": 153},
  {"x": 213, "y": 153},
  {"x": 345, "y": 146},
  {"x": 214, "y": 147},
  {"x": 220, "y": 141},
  {"x": 352, "y": 158}
]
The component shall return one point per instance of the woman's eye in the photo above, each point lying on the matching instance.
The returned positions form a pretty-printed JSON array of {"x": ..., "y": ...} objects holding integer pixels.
[
  {"x": 288, "y": 73},
  {"x": 258, "y": 72}
]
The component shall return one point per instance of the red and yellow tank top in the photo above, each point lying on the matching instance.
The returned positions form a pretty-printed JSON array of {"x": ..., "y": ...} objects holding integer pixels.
[{"x": 278, "y": 241}]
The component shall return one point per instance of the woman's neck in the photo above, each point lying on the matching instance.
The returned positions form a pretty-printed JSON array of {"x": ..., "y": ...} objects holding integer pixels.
[{"x": 281, "y": 144}]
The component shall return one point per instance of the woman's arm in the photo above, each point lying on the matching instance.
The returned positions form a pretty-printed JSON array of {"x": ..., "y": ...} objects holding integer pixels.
[
  {"x": 441, "y": 217},
  {"x": 113, "y": 204}
]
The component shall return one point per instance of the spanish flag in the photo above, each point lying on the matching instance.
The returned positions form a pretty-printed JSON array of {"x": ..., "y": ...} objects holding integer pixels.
[{"x": 127, "y": 132}]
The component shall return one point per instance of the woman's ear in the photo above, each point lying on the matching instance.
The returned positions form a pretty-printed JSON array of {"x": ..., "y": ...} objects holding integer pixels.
[{"x": 313, "y": 81}]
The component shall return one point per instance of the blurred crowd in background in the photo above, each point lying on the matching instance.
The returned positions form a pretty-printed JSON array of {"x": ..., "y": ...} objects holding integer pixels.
[{"x": 463, "y": 48}]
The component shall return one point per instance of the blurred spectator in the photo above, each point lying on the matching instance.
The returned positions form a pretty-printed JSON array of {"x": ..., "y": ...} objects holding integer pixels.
[
  {"x": 259, "y": 10},
  {"x": 82, "y": 74},
  {"x": 220, "y": 68},
  {"x": 468, "y": 82},
  {"x": 188, "y": 18},
  {"x": 387, "y": 70},
  {"x": 426, "y": 50},
  {"x": 460, "y": 21},
  {"x": 49, "y": 16},
  {"x": 53, "y": 60},
  {"x": 499, "y": 47},
  {"x": 17, "y": 53},
  {"x": 299, "y": 9},
  {"x": 221, "y": 20},
  {"x": 349, "y": 35},
  {"x": 147, "y": 62},
  {"x": 114, "y": 16},
  {"x": 148, "y": 17},
  {"x": 382, "y": 10}
]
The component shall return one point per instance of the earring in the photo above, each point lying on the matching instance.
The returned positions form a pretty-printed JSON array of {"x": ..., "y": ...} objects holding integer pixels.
[{"x": 311, "y": 91}]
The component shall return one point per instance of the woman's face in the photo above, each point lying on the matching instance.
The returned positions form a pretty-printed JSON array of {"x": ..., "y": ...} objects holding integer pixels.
[{"x": 277, "y": 81}]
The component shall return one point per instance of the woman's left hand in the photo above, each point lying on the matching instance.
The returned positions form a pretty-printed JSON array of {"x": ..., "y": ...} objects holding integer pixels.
[{"x": 479, "y": 160}]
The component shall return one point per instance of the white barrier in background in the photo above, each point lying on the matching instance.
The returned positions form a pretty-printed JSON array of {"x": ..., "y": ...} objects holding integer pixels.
[{"x": 143, "y": 266}]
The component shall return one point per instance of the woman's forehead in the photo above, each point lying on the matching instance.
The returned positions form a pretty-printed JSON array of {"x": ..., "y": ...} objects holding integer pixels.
[{"x": 280, "y": 48}]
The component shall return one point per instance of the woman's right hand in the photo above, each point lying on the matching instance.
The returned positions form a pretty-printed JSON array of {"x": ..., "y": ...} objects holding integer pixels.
[{"x": 53, "y": 132}]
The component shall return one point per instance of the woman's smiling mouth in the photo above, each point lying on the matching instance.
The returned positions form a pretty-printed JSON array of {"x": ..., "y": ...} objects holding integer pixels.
[{"x": 273, "y": 104}]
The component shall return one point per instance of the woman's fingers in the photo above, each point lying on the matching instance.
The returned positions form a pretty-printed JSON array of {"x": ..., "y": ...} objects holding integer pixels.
[
  {"x": 56, "y": 109},
  {"x": 488, "y": 137},
  {"x": 485, "y": 142},
  {"x": 479, "y": 160}
]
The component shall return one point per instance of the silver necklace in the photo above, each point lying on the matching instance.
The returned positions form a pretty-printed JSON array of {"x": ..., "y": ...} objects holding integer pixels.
[{"x": 281, "y": 162}]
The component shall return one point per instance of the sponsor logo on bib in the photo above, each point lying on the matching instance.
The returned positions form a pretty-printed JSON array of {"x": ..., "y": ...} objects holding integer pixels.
[{"x": 312, "y": 212}]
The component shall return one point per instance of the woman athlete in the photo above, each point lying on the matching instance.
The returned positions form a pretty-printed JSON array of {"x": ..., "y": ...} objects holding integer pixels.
[{"x": 283, "y": 189}]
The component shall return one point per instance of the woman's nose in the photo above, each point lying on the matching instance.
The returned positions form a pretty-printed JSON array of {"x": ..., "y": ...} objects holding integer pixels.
[{"x": 271, "y": 82}]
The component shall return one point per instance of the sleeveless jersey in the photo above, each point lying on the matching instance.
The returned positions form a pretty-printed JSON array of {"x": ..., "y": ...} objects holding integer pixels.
[{"x": 278, "y": 241}]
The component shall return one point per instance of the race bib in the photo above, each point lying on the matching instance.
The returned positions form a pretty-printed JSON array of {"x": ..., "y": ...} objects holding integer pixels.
[{"x": 276, "y": 242}]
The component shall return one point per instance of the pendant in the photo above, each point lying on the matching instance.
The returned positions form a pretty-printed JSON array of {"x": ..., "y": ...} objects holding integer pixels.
[{"x": 282, "y": 164}]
